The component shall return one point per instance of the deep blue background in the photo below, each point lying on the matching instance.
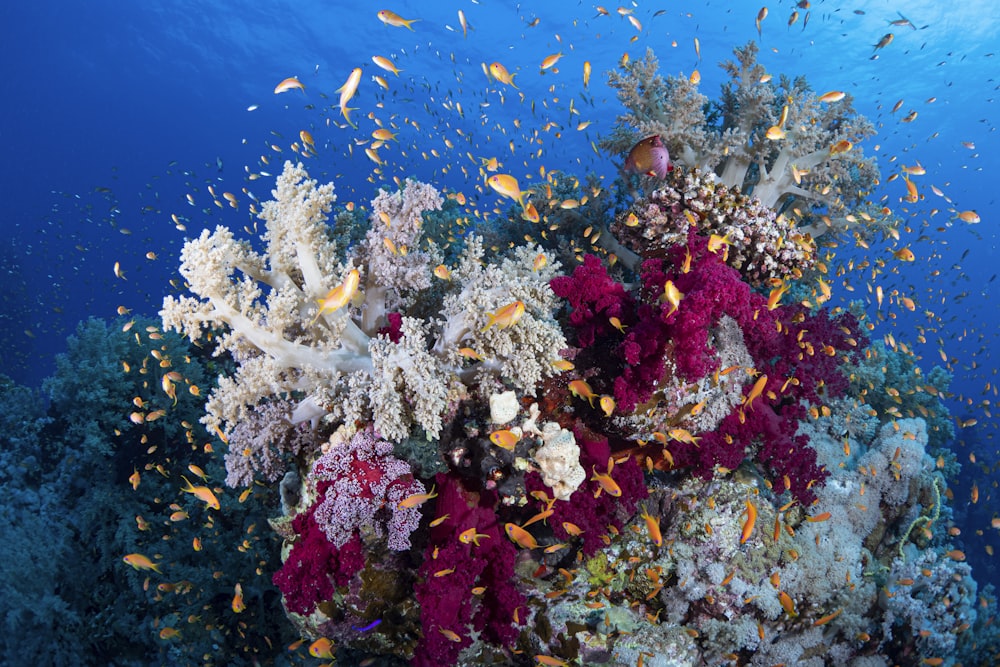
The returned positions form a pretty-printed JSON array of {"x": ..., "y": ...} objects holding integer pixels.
[{"x": 112, "y": 112}]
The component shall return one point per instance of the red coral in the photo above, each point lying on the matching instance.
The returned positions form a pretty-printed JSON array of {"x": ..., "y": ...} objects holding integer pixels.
[
  {"x": 595, "y": 298},
  {"x": 585, "y": 509},
  {"x": 314, "y": 566},
  {"x": 446, "y": 601}
]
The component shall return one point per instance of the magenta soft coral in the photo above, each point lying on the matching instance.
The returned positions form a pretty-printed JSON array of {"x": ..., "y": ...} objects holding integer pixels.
[
  {"x": 587, "y": 510},
  {"x": 595, "y": 298},
  {"x": 314, "y": 566},
  {"x": 452, "y": 568}
]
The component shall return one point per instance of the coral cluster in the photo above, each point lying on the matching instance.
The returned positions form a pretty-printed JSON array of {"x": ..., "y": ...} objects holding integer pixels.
[
  {"x": 486, "y": 460},
  {"x": 778, "y": 142}
]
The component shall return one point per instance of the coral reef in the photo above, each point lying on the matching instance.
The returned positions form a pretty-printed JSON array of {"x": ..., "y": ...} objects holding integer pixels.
[
  {"x": 676, "y": 454},
  {"x": 776, "y": 141}
]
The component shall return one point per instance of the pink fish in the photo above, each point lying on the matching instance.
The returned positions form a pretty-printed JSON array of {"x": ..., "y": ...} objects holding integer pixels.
[{"x": 649, "y": 157}]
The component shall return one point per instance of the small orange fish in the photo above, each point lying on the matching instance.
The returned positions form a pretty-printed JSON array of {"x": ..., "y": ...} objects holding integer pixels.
[
  {"x": 829, "y": 617},
  {"x": 417, "y": 499},
  {"x": 507, "y": 186},
  {"x": 505, "y": 439},
  {"x": 291, "y": 83},
  {"x": 133, "y": 479},
  {"x": 653, "y": 527},
  {"x": 520, "y": 536},
  {"x": 339, "y": 296},
  {"x": 202, "y": 493},
  {"x": 140, "y": 562},
  {"x": 449, "y": 635},
  {"x": 322, "y": 648},
  {"x": 500, "y": 73},
  {"x": 506, "y": 316},
  {"x": 581, "y": 389},
  {"x": 238, "y": 605},
  {"x": 606, "y": 482},
  {"x": 169, "y": 633},
  {"x": 756, "y": 391},
  {"x": 832, "y": 96},
  {"x": 572, "y": 529},
  {"x": 395, "y": 20},
  {"x": 471, "y": 536},
  {"x": 749, "y": 523},
  {"x": 671, "y": 295},
  {"x": 819, "y": 517},
  {"x": 607, "y": 405},
  {"x": 787, "y": 604}
]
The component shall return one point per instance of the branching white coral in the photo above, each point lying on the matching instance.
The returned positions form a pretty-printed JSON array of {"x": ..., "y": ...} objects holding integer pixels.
[
  {"x": 813, "y": 160},
  {"x": 262, "y": 308}
]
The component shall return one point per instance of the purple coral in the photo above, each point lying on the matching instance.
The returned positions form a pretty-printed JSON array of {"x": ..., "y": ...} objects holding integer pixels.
[
  {"x": 595, "y": 298},
  {"x": 314, "y": 566},
  {"x": 360, "y": 485},
  {"x": 258, "y": 442},
  {"x": 446, "y": 602},
  {"x": 589, "y": 511}
]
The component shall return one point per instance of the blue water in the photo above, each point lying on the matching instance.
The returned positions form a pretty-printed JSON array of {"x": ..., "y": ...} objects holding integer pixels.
[{"x": 113, "y": 112}]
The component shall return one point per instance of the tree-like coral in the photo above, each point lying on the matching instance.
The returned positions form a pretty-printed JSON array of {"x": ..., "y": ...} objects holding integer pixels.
[
  {"x": 333, "y": 360},
  {"x": 778, "y": 142}
]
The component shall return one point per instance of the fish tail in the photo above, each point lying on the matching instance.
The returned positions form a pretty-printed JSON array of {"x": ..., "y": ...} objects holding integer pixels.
[{"x": 346, "y": 111}]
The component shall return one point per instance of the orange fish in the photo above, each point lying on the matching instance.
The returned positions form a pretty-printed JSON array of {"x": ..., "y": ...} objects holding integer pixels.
[
  {"x": 749, "y": 523},
  {"x": 520, "y": 536},
  {"x": 291, "y": 83},
  {"x": 756, "y": 391},
  {"x": 140, "y": 562},
  {"x": 340, "y": 295},
  {"x": 608, "y": 485},
  {"x": 506, "y": 439},
  {"x": 470, "y": 535},
  {"x": 133, "y": 479},
  {"x": 507, "y": 186},
  {"x": 202, "y": 493},
  {"x": 581, "y": 389},
  {"x": 506, "y": 316},
  {"x": 238, "y": 605},
  {"x": 417, "y": 499},
  {"x": 500, "y": 73},
  {"x": 653, "y": 526},
  {"x": 787, "y": 604},
  {"x": 321, "y": 648},
  {"x": 395, "y": 20}
]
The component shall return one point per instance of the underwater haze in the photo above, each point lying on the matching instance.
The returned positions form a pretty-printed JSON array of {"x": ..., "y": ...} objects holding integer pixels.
[{"x": 641, "y": 334}]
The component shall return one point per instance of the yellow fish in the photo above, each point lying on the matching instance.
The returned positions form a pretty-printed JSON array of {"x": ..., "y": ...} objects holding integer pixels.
[
  {"x": 202, "y": 493},
  {"x": 417, "y": 499},
  {"x": 506, "y": 316},
  {"x": 581, "y": 389},
  {"x": 506, "y": 439},
  {"x": 395, "y": 20},
  {"x": 140, "y": 562},
  {"x": 500, "y": 73},
  {"x": 347, "y": 92},
  {"x": 470, "y": 535},
  {"x": 507, "y": 186},
  {"x": 386, "y": 64},
  {"x": 671, "y": 295},
  {"x": 339, "y": 296},
  {"x": 321, "y": 648},
  {"x": 290, "y": 83},
  {"x": 520, "y": 536}
]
